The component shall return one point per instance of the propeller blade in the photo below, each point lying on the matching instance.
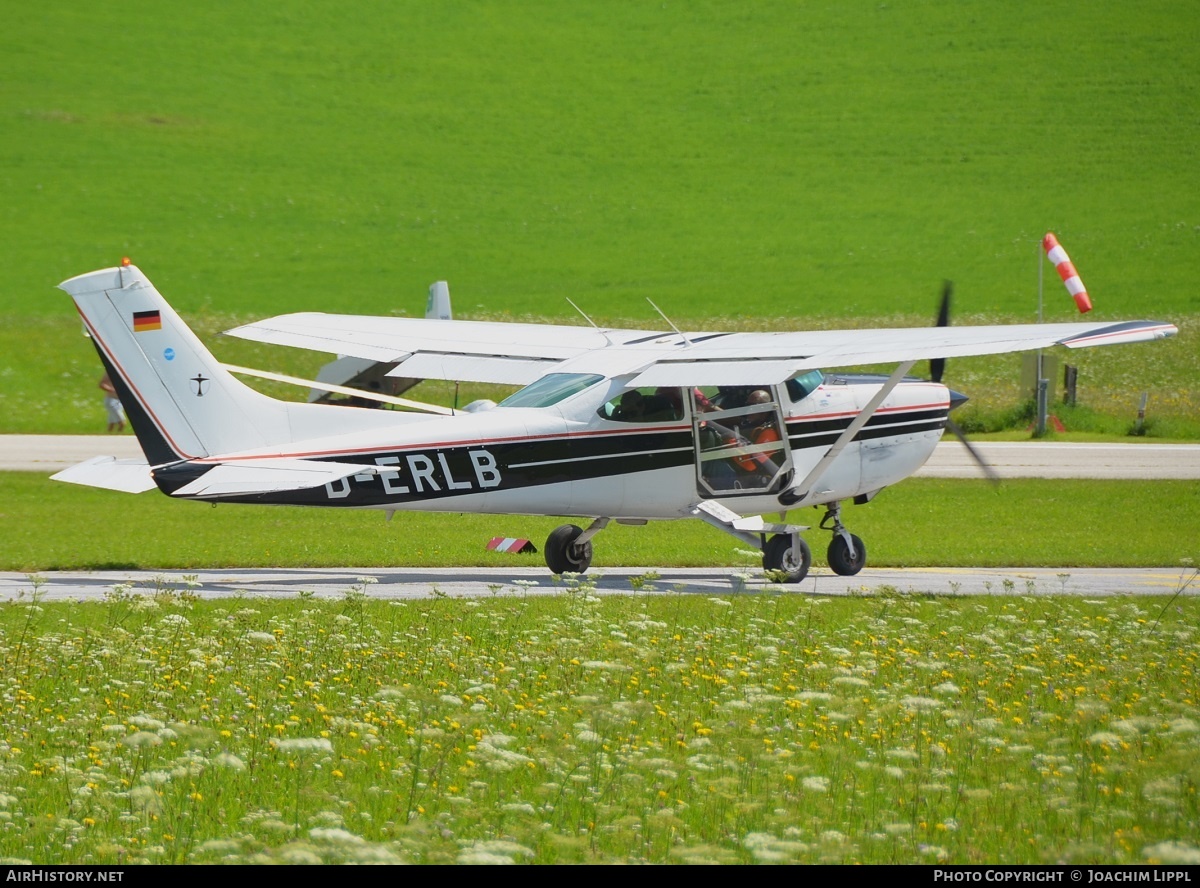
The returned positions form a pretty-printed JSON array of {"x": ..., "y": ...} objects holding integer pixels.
[
  {"x": 944, "y": 309},
  {"x": 937, "y": 366},
  {"x": 988, "y": 471}
]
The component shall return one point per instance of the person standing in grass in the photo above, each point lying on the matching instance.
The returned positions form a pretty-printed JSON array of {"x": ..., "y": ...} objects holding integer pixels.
[{"x": 112, "y": 405}]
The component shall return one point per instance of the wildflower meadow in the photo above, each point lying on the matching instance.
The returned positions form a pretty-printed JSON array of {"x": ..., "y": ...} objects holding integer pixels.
[{"x": 655, "y": 727}]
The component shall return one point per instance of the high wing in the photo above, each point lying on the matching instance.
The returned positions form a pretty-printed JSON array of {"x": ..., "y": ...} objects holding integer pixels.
[
  {"x": 519, "y": 353},
  {"x": 774, "y": 357}
]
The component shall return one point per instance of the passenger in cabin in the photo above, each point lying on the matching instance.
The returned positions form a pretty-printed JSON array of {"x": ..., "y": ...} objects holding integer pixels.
[
  {"x": 631, "y": 408},
  {"x": 666, "y": 403},
  {"x": 759, "y": 427}
]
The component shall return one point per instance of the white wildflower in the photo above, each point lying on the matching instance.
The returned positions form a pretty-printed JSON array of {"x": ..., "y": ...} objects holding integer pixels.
[
  {"x": 141, "y": 740},
  {"x": 303, "y": 744},
  {"x": 815, "y": 784},
  {"x": 1172, "y": 853},
  {"x": 335, "y": 836}
]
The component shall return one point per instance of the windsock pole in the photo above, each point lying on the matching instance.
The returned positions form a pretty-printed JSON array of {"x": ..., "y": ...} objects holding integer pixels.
[{"x": 1062, "y": 264}]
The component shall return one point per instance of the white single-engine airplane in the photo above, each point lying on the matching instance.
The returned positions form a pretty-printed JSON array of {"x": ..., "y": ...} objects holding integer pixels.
[{"x": 611, "y": 425}]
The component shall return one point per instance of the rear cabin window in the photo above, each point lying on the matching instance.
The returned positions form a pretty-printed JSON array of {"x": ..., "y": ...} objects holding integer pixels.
[{"x": 644, "y": 405}]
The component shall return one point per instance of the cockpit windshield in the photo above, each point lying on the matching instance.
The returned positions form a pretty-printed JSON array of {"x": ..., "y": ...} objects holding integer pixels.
[
  {"x": 550, "y": 389},
  {"x": 801, "y": 386}
]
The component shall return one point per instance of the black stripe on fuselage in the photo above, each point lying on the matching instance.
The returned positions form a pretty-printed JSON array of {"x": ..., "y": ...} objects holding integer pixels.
[
  {"x": 804, "y": 433},
  {"x": 425, "y": 473}
]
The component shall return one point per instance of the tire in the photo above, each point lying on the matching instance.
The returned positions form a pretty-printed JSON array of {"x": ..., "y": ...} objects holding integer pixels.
[
  {"x": 839, "y": 558},
  {"x": 563, "y": 555},
  {"x": 779, "y": 555}
]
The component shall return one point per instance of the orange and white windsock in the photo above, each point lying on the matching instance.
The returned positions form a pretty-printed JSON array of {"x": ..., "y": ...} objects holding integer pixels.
[{"x": 1062, "y": 263}]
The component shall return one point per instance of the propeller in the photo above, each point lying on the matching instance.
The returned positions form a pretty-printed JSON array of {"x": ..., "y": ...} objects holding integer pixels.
[{"x": 937, "y": 369}]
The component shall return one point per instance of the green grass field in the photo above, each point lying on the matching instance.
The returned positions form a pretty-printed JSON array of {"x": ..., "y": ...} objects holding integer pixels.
[
  {"x": 773, "y": 164},
  {"x": 1043, "y": 523}
]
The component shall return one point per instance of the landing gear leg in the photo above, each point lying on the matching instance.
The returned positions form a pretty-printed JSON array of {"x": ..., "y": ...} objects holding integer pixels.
[
  {"x": 847, "y": 554},
  {"x": 784, "y": 550},
  {"x": 569, "y": 548}
]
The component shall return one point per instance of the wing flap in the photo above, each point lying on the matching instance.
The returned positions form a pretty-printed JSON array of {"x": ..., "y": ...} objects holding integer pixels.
[
  {"x": 474, "y": 368},
  {"x": 732, "y": 372}
]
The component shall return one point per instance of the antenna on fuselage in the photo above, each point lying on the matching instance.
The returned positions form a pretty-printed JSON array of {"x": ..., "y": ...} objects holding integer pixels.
[
  {"x": 590, "y": 321},
  {"x": 682, "y": 335}
]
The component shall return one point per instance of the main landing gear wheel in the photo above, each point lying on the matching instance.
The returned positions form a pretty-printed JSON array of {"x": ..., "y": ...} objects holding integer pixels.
[
  {"x": 841, "y": 562},
  {"x": 781, "y": 555},
  {"x": 563, "y": 555}
]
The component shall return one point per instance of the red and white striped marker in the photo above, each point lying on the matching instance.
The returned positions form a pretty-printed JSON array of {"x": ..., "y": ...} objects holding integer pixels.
[
  {"x": 1062, "y": 263},
  {"x": 512, "y": 545}
]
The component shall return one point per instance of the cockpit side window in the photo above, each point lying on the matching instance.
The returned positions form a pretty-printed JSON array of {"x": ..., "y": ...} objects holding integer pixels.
[
  {"x": 550, "y": 389},
  {"x": 645, "y": 405},
  {"x": 801, "y": 386}
]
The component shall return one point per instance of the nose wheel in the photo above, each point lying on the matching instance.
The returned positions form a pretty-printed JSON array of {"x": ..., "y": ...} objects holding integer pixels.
[{"x": 847, "y": 554}]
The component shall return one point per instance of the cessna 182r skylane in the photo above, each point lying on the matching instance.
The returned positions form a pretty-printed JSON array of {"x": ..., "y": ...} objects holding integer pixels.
[{"x": 610, "y": 425}]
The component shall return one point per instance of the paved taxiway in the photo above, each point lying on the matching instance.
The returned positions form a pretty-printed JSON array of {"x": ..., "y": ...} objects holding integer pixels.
[
  {"x": 1010, "y": 459},
  {"x": 416, "y": 583}
]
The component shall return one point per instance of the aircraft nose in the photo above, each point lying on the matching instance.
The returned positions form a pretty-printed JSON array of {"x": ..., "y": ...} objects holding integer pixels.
[{"x": 957, "y": 399}]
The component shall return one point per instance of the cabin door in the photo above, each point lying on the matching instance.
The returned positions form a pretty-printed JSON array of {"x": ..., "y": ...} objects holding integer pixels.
[{"x": 741, "y": 440}]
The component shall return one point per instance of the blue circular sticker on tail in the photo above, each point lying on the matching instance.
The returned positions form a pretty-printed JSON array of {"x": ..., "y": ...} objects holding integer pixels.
[{"x": 169, "y": 354}]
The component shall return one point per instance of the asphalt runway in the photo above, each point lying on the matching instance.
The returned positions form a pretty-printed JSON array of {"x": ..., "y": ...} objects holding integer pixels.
[{"x": 40, "y": 453}]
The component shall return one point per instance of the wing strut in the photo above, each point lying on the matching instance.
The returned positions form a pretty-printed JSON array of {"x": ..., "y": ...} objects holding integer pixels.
[
  {"x": 341, "y": 390},
  {"x": 797, "y": 492}
]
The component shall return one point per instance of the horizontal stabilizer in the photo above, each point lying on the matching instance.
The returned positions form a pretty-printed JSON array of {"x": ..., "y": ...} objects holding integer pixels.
[
  {"x": 270, "y": 476},
  {"x": 110, "y": 473}
]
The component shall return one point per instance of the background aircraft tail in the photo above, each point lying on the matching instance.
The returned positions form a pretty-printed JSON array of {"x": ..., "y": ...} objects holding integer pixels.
[{"x": 181, "y": 402}]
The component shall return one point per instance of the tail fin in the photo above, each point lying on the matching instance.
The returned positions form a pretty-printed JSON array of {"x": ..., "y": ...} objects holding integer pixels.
[
  {"x": 181, "y": 402},
  {"x": 438, "y": 305}
]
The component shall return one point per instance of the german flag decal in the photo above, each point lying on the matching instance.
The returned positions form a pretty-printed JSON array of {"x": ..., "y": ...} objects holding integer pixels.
[{"x": 146, "y": 320}]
